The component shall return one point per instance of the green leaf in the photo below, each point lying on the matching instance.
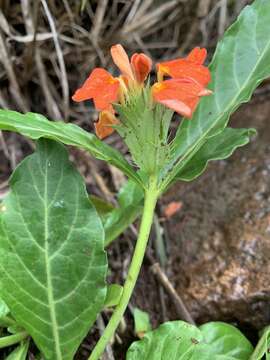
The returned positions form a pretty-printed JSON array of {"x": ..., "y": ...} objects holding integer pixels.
[
  {"x": 113, "y": 296},
  {"x": 225, "y": 339},
  {"x": 20, "y": 353},
  {"x": 218, "y": 147},
  {"x": 179, "y": 340},
  {"x": 36, "y": 126},
  {"x": 170, "y": 341},
  {"x": 53, "y": 265},
  {"x": 102, "y": 206},
  {"x": 117, "y": 219},
  {"x": 263, "y": 346},
  {"x": 240, "y": 63},
  {"x": 142, "y": 322},
  {"x": 130, "y": 200}
]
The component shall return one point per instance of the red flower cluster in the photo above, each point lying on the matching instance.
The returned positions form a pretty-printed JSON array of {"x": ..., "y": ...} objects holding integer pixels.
[{"x": 187, "y": 83}]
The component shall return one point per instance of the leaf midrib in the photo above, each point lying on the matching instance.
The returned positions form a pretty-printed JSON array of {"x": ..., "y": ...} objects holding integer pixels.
[
  {"x": 174, "y": 172},
  {"x": 48, "y": 269}
]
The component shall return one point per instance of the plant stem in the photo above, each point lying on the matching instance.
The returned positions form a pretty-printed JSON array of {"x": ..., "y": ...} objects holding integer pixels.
[
  {"x": 150, "y": 201},
  {"x": 12, "y": 339}
]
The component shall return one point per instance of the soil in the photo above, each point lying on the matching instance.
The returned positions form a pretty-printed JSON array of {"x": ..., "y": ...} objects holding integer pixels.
[{"x": 220, "y": 240}]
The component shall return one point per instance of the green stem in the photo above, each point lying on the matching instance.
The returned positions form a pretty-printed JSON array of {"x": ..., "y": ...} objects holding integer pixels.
[
  {"x": 151, "y": 195},
  {"x": 12, "y": 339}
]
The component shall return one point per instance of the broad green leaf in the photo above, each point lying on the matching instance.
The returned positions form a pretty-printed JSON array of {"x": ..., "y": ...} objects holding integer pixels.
[
  {"x": 36, "y": 126},
  {"x": 53, "y": 265},
  {"x": 113, "y": 296},
  {"x": 130, "y": 200},
  {"x": 142, "y": 322},
  {"x": 20, "y": 353},
  {"x": 240, "y": 63},
  {"x": 225, "y": 339},
  {"x": 263, "y": 346},
  {"x": 172, "y": 340},
  {"x": 181, "y": 341},
  {"x": 218, "y": 147}
]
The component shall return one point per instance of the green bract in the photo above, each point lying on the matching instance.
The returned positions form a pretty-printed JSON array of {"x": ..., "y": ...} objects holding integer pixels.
[
  {"x": 144, "y": 128},
  {"x": 53, "y": 265}
]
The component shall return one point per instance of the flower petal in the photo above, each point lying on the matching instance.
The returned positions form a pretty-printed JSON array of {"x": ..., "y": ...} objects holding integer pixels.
[
  {"x": 181, "y": 95},
  {"x": 197, "y": 55},
  {"x": 121, "y": 60},
  {"x": 188, "y": 67},
  {"x": 103, "y": 125},
  {"x": 141, "y": 65},
  {"x": 100, "y": 86},
  {"x": 177, "y": 106}
]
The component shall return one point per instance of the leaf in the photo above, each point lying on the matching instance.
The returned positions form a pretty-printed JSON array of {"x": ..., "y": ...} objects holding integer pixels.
[
  {"x": 263, "y": 346},
  {"x": 130, "y": 200},
  {"x": 170, "y": 341},
  {"x": 227, "y": 340},
  {"x": 53, "y": 264},
  {"x": 179, "y": 340},
  {"x": 240, "y": 63},
  {"x": 117, "y": 219},
  {"x": 218, "y": 147},
  {"x": 142, "y": 322},
  {"x": 102, "y": 206},
  {"x": 20, "y": 353},
  {"x": 113, "y": 296},
  {"x": 36, "y": 126}
]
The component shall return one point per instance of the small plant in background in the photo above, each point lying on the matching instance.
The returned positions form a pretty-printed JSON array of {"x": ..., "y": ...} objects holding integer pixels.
[{"x": 52, "y": 237}]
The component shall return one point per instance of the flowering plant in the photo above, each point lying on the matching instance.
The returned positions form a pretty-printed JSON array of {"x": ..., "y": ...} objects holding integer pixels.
[{"x": 52, "y": 239}]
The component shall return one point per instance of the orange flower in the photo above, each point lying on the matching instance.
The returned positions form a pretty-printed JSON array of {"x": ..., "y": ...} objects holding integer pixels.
[
  {"x": 104, "y": 89},
  {"x": 135, "y": 71},
  {"x": 191, "y": 66},
  {"x": 104, "y": 124},
  {"x": 181, "y": 95},
  {"x": 100, "y": 86}
]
